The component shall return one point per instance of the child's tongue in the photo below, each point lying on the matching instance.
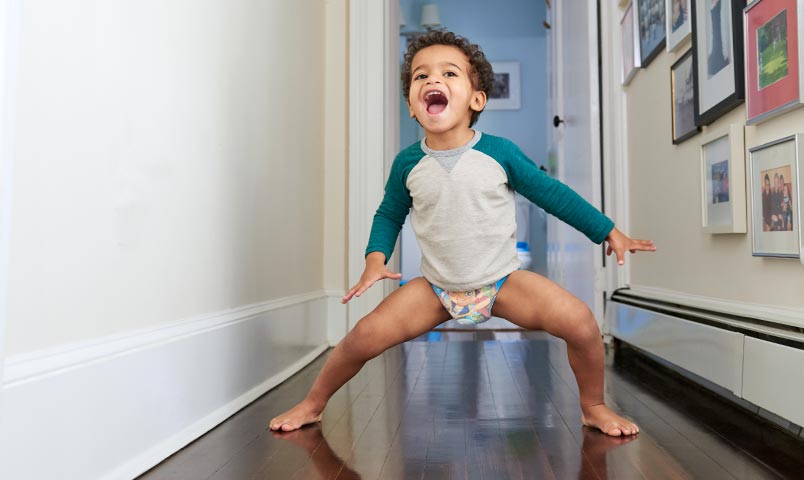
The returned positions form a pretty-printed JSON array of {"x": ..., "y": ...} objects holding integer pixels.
[{"x": 436, "y": 108}]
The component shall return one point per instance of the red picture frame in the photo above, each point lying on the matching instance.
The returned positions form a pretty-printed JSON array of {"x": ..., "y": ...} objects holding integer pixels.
[{"x": 772, "y": 59}]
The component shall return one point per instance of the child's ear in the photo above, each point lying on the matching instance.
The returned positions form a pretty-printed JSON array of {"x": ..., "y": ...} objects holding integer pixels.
[
  {"x": 478, "y": 101},
  {"x": 410, "y": 109}
]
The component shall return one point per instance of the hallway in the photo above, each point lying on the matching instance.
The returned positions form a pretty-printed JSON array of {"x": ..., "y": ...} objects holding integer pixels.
[{"x": 490, "y": 405}]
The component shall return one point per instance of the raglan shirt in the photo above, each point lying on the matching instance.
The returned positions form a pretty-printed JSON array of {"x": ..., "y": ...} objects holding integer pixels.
[{"x": 461, "y": 205}]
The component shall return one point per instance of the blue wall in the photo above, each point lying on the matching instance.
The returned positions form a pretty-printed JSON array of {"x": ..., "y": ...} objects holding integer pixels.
[{"x": 506, "y": 30}]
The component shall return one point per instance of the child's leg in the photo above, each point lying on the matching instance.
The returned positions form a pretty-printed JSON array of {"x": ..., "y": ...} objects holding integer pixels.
[
  {"x": 536, "y": 303},
  {"x": 407, "y": 313}
]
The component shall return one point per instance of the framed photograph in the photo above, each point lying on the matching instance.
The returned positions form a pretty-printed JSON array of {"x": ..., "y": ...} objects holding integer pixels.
[
  {"x": 650, "y": 27},
  {"x": 682, "y": 95},
  {"x": 772, "y": 58},
  {"x": 775, "y": 203},
  {"x": 717, "y": 43},
  {"x": 504, "y": 94},
  {"x": 723, "y": 181},
  {"x": 630, "y": 56},
  {"x": 677, "y": 23}
]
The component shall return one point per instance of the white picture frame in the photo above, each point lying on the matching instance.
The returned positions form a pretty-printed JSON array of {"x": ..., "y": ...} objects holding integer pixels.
[
  {"x": 678, "y": 23},
  {"x": 629, "y": 44},
  {"x": 779, "y": 158},
  {"x": 505, "y": 93},
  {"x": 723, "y": 202}
]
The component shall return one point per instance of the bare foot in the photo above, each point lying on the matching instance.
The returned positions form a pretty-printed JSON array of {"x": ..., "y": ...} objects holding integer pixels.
[
  {"x": 608, "y": 422},
  {"x": 297, "y": 417}
]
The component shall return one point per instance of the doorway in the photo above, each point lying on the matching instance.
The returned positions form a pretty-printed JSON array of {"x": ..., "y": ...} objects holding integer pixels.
[{"x": 513, "y": 37}]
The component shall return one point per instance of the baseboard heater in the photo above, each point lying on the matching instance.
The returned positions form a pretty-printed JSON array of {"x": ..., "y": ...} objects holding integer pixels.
[
  {"x": 754, "y": 360},
  {"x": 762, "y": 329}
]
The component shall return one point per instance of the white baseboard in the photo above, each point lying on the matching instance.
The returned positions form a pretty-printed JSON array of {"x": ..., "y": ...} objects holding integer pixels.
[{"x": 114, "y": 408}]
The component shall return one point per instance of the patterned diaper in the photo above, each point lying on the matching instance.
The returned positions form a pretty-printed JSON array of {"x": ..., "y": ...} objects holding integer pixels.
[{"x": 470, "y": 307}]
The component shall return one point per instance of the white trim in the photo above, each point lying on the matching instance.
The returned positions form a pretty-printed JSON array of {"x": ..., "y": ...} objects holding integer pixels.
[
  {"x": 393, "y": 92},
  {"x": 337, "y": 317},
  {"x": 770, "y": 313},
  {"x": 149, "y": 393},
  {"x": 367, "y": 139},
  {"x": 153, "y": 456},
  {"x": 42, "y": 363},
  {"x": 9, "y": 22},
  {"x": 615, "y": 153},
  {"x": 595, "y": 104}
]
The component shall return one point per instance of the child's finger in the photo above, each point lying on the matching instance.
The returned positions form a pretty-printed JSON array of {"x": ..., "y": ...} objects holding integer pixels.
[
  {"x": 620, "y": 256},
  {"x": 348, "y": 296},
  {"x": 363, "y": 288}
]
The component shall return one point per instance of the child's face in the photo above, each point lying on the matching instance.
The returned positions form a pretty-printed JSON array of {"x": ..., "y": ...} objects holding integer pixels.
[{"x": 441, "y": 94}]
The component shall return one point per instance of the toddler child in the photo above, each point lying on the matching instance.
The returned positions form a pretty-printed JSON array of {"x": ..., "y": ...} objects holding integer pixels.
[{"x": 458, "y": 185}]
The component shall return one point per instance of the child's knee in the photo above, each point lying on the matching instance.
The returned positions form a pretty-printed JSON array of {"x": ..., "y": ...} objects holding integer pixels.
[
  {"x": 362, "y": 340},
  {"x": 584, "y": 325}
]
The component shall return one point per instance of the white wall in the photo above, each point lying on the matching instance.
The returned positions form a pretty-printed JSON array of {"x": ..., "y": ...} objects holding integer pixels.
[
  {"x": 665, "y": 205},
  {"x": 174, "y": 202},
  {"x": 168, "y": 162},
  {"x": 336, "y": 120}
]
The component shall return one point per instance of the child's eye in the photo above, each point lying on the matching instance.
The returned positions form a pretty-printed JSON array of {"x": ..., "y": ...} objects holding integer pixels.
[
  {"x": 420, "y": 76},
  {"x": 450, "y": 74}
]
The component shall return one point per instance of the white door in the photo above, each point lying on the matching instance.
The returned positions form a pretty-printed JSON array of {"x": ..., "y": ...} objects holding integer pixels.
[{"x": 573, "y": 261}]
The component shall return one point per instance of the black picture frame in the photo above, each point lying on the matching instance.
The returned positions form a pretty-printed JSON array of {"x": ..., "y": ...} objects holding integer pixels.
[
  {"x": 646, "y": 57},
  {"x": 689, "y": 115},
  {"x": 734, "y": 97}
]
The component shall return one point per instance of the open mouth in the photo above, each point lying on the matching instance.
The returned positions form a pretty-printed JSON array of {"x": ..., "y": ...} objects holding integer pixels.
[{"x": 436, "y": 102}]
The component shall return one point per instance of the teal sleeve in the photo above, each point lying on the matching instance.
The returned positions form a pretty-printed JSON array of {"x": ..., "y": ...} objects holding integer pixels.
[
  {"x": 395, "y": 205},
  {"x": 550, "y": 194}
]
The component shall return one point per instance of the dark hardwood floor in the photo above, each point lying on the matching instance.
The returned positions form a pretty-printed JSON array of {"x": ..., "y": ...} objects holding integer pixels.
[{"x": 492, "y": 405}]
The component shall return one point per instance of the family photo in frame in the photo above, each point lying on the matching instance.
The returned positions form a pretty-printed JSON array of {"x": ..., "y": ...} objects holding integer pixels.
[{"x": 775, "y": 197}]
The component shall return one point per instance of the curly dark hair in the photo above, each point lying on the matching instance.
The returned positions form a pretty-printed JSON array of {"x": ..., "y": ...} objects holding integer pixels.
[{"x": 480, "y": 73}]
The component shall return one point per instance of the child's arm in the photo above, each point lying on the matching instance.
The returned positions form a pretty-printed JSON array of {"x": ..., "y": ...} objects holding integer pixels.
[
  {"x": 388, "y": 221},
  {"x": 559, "y": 199},
  {"x": 375, "y": 271},
  {"x": 619, "y": 243}
]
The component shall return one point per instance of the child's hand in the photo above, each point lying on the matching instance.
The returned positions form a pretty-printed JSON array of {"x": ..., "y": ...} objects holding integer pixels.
[
  {"x": 375, "y": 271},
  {"x": 619, "y": 243}
]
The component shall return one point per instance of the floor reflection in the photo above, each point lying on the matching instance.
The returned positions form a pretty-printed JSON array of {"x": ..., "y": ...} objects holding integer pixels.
[
  {"x": 326, "y": 462},
  {"x": 595, "y": 449}
]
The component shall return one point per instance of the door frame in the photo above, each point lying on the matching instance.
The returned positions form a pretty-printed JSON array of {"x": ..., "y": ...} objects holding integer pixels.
[
  {"x": 615, "y": 131},
  {"x": 373, "y": 133},
  {"x": 558, "y": 140},
  {"x": 9, "y": 35}
]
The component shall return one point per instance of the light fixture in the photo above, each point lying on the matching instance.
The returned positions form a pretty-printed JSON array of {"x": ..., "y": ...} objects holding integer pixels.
[{"x": 430, "y": 20}]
